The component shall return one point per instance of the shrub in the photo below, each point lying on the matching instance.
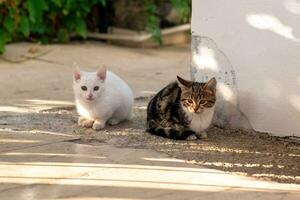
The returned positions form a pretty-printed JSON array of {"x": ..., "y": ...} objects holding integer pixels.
[
  {"x": 43, "y": 20},
  {"x": 151, "y": 15},
  {"x": 56, "y": 20}
]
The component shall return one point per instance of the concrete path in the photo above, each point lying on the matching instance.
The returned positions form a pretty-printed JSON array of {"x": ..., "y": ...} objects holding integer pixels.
[
  {"x": 50, "y": 76},
  {"x": 48, "y": 163},
  {"x": 66, "y": 170}
]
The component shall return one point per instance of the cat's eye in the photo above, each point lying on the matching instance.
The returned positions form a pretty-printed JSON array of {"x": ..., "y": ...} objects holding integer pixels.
[
  {"x": 190, "y": 101},
  {"x": 203, "y": 102},
  {"x": 84, "y": 88},
  {"x": 209, "y": 104},
  {"x": 96, "y": 88}
]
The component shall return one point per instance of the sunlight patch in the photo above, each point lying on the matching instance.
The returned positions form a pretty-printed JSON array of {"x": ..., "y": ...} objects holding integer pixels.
[
  {"x": 271, "y": 23},
  {"x": 165, "y": 160},
  {"x": 13, "y": 109},
  {"x": 49, "y": 102},
  {"x": 295, "y": 101},
  {"x": 293, "y": 6},
  {"x": 206, "y": 59}
]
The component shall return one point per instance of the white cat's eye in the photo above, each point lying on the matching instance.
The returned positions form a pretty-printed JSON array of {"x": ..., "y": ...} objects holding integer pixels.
[
  {"x": 84, "y": 88},
  {"x": 96, "y": 88}
]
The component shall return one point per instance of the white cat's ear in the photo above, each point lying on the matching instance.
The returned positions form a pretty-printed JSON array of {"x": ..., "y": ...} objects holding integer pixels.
[
  {"x": 77, "y": 74},
  {"x": 183, "y": 84},
  {"x": 101, "y": 73},
  {"x": 211, "y": 85}
]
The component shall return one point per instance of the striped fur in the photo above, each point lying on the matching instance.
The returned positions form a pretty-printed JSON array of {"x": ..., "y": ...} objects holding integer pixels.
[{"x": 172, "y": 111}]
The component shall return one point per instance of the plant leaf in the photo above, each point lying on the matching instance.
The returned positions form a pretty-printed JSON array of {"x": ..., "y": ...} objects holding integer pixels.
[
  {"x": 36, "y": 8},
  {"x": 24, "y": 26},
  {"x": 2, "y": 42},
  {"x": 103, "y": 2},
  {"x": 9, "y": 24},
  {"x": 81, "y": 27},
  {"x": 62, "y": 35},
  {"x": 57, "y": 2},
  {"x": 4, "y": 38}
]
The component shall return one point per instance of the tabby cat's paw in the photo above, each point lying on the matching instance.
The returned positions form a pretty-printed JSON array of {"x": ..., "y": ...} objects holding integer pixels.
[
  {"x": 202, "y": 135},
  {"x": 192, "y": 137}
]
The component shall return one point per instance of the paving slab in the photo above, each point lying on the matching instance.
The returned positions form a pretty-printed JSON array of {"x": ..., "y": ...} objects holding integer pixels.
[
  {"x": 69, "y": 170},
  {"x": 20, "y": 139}
]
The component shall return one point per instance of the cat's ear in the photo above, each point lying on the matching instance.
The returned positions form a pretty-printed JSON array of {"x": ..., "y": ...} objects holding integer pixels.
[
  {"x": 77, "y": 74},
  {"x": 101, "y": 73},
  {"x": 183, "y": 84},
  {"x": 211, "y": 85}
]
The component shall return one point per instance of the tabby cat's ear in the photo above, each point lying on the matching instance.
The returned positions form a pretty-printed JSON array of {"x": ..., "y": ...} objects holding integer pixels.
[
  {"x": 211, "y": 85},
  {"x": 183, "y": 84}
]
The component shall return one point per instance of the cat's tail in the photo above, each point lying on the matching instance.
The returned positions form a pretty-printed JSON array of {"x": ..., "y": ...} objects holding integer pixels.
[{"x": 171, "y": 130}]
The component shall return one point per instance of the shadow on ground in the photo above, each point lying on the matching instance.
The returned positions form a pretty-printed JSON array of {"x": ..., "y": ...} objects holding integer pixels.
[{"x": 248, "y": 153}]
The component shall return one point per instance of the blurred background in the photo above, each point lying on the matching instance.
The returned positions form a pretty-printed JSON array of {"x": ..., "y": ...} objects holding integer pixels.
[{"x": 126, "y": 22}]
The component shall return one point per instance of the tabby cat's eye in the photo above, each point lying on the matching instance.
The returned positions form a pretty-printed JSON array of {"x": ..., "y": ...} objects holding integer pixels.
[
  {"x": 96, "y": 88},
  {"x": 190, "y": 101},
  {"x": 84, "y": 88},
  {"x": 203, "y": 102}
]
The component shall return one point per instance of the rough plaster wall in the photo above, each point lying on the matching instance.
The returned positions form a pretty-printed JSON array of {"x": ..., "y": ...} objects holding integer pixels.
[
  {"x": 209, "y": 61},
  {"x": 253, "y": 48}
]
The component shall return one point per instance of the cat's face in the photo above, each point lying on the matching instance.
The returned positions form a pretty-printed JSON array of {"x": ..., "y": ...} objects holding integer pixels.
[
  {"x": 197, "y": 97},
  {"x": 89, "y": 86}
]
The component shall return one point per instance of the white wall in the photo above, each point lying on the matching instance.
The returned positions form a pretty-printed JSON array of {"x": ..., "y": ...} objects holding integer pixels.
[{"x": 253, "y": 47}]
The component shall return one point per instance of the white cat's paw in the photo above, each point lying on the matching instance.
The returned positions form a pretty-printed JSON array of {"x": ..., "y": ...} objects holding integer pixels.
[
  {"x": 192, "y": 137},
  {"x": 98, "y": 125},
  {"x": 113, "y": 121},
  {"x": 87, "y": 123},
  {"x": 202, "y": 135}
]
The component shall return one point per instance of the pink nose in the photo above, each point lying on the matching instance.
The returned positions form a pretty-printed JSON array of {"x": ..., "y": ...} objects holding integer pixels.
[{"x": 90, "y": 96}]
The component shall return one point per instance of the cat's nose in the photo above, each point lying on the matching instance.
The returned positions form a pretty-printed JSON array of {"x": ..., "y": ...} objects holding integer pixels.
[{"x": 90, "y": 96}]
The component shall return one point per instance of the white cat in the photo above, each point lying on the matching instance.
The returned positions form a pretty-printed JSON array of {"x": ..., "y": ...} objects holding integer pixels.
[{"x": 101, "y": 98}]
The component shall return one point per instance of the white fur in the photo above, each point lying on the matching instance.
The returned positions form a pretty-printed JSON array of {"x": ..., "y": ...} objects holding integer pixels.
[
  {"x": 200, "y": 121},
  {"x": 111, "y": 104}
]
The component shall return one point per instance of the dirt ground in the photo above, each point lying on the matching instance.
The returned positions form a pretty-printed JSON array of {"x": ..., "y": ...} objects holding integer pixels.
[
  {"x": 243, "y": 152},
  {"x": 37, "y": 110}
]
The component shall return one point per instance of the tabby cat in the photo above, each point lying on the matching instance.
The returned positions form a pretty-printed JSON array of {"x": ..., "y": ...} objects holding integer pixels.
[{"x": 181, "y": 109}]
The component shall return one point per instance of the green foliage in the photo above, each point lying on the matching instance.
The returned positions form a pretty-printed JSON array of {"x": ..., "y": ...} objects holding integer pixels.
[
  {"x": 153, "y": 25},
  {"x": 184, "y": 9},
  {"x": 153, "y": 22},
  {"x": 36, "y": 9},
  {"x": 43, "y": 20},
  {"x": 55, "y": 20}
]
